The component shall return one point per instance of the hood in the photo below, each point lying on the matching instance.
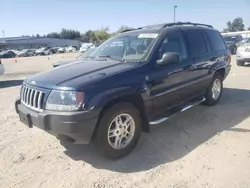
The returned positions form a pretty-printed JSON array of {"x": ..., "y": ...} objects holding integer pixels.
[
  {"x": 60, "y": 63},
  {"x": 79, "y": 73}
]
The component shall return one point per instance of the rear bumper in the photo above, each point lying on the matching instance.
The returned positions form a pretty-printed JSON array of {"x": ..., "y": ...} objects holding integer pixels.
[{"x": 76, "y": 126}]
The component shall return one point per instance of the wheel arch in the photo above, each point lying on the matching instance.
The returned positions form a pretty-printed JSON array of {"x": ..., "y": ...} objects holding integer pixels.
[{"x": 135, "y": 99}]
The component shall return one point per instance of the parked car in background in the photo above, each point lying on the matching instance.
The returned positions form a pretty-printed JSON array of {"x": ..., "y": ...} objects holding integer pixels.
[
  {"x": 40, "y": 50},
  {"x": 48, "y": 51},
  {"x": 26, "y": 53},
  {"x": 61, "y": 50},
  {"x": 232, "y": 42},
  {"x": 7, "y": 54},
  {"x": 54, "y": 50},
  {"x": 1, "y": 68},
  {"x": 70, "y": 49},
  {"x": 86, "y": 46},
  {"x": 133, "y": 80},
  {"x": 82, "y": 56},
  {"x": 243, "y": 54}
]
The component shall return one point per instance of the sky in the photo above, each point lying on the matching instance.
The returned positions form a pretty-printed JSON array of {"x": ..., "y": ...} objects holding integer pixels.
[{"x": 28, "y": 17}]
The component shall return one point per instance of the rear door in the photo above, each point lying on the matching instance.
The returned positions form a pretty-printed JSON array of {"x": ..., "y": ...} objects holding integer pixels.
[
  {"x": 202, "y": 57},
  {"x": 220, "y": 51}
]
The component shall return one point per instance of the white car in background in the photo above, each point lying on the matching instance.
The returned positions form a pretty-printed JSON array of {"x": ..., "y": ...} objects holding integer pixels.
[
  {"x": 70, "y": 49},
  {"x": 86, "y": 46},
  {"x": 1, "y": 68},
  {"x": 243, "y": 54}
]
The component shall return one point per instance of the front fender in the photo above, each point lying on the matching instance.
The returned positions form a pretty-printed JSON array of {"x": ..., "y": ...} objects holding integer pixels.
[{"x": 102, "y": 98}]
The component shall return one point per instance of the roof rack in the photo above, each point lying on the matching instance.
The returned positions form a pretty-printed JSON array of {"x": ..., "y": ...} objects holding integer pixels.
[
  {"x": 186, "y": 23},
  {"x": 127, "y": 30},
  {"x": 168, "y": 25}
]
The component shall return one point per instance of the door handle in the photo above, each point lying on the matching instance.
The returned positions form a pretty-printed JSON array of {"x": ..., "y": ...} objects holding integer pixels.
[{"x": 189, "y": 67}]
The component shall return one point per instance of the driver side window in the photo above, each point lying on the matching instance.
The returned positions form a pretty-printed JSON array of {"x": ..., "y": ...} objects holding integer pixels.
[{"x": 173, "y": 42}]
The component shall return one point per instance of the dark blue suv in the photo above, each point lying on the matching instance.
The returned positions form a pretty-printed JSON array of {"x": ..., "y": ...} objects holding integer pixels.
[{"x": 135, "y": 79}]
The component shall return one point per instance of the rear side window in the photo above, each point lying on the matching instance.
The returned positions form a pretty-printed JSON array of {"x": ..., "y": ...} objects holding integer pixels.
[
  {"x": 196, "y": 42},
  {"x": 216, "y": 40}
]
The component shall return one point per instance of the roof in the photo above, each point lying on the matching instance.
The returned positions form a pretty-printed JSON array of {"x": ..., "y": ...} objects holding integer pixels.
[{"x": 158, "y": 27}]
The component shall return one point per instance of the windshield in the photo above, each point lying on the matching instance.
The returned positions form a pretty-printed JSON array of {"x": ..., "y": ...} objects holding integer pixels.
[
  {"x": 86, "y": 54},
  {"x": 134, "y": 46},
  {"x": 230, "y": 38}
]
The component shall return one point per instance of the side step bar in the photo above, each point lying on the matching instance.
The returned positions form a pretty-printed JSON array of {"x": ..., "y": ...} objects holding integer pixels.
[{"x": 155, "y": 122}]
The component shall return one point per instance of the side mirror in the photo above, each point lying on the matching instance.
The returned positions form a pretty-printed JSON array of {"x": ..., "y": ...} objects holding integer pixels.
[{"x": 168, "y": 58}]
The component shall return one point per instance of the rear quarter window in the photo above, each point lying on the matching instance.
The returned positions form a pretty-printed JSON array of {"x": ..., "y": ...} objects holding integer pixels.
[{"x": 216, "y": 40}]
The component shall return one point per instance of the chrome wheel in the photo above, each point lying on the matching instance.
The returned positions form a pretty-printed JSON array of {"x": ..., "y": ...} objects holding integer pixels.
[
  {"x": 216, "y": 89},
  {"x": 121, "y": 131}
]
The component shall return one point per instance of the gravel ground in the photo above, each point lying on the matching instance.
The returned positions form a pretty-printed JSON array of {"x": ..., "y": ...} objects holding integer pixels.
[{"x": 202, "y": 147}]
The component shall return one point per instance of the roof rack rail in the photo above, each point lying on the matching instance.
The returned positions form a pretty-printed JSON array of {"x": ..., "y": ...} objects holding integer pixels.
[
  {"x": 127, "y": 30},
  {"x": 186, "y": 23},
  {"x": 168, "y": 25}
]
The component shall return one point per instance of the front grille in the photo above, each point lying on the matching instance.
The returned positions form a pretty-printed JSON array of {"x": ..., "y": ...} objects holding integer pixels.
[{"x": 32, "y": 98}]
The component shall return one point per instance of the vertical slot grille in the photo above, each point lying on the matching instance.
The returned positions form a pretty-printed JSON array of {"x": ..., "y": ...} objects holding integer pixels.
[{"x": 32, "y": 98}]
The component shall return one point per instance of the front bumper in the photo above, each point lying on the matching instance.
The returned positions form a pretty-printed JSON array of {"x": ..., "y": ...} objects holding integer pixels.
[{"x": 75, "y": 126}]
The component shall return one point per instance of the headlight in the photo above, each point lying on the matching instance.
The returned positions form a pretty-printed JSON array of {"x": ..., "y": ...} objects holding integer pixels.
[
  {"x": 64, "y": 100},
  {"x": 247, "y": 49}
]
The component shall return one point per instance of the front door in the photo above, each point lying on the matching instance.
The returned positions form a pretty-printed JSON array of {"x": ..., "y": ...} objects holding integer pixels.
[{"x": 169, "y": 83}]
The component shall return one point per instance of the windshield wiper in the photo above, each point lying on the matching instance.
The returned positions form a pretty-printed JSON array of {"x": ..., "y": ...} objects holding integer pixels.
[{"x": 112, "y": 57}]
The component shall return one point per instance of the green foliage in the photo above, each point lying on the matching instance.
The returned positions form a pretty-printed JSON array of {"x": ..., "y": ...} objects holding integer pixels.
[
  {"x": 54, "y": 35},
  {"x": 123, "y": 28},
  {"x": 101, "y": 35},
  {"x": 70, "y": 34},
  {"x": 235, "y": 25},
  {"x": 88, "y": 36}
]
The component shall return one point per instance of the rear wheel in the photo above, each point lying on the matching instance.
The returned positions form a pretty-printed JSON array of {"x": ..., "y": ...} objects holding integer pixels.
[
  {"x": 214, "y": 91},
  {"x": 240, "y": 63},
  {"x": 118, "y": 130}
]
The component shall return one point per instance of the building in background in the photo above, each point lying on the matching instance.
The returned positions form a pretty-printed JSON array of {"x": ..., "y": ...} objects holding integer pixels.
[
  {"x": 244, "y": 34},
  {"x": 27, "y": 42}
]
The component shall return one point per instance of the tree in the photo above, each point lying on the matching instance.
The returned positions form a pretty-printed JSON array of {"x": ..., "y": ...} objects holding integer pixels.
[
  {"x": 70, "y": 34},
  {"x": 248, "y": 28},
  {"x": 235, "y": 25},
  {"x": 38, "y": 36},
  {"x": 88, "y": 36},
  {"x": 54, "y": 35},
  {"x": 123, "y": 28},
  {"x": 101, "y": 35}
]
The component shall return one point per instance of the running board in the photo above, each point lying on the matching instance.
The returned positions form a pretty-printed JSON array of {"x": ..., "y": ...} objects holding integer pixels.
[{"x": 155, "y": 122}]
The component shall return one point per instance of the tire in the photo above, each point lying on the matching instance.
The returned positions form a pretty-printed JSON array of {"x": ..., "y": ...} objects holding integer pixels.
[
  {"x": 234, "y": 50},
  {"x": 211, "y": 98},
  {"x": 240, "y": 63},
  {"x": 107, "y": 145}
]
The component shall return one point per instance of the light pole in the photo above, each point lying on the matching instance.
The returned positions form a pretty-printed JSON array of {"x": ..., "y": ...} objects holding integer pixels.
[{"x": 174, "y": 11}]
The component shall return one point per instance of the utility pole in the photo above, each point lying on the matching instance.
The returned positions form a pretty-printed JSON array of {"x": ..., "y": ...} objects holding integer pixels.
[
  {"x": 174, "y": 11},
  {"x": 3, "y": 34}
]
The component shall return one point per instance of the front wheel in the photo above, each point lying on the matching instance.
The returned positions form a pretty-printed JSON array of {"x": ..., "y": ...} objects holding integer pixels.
[
  {"x": 214, "y": 91},
  {"x": 118, "y": 130}
]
